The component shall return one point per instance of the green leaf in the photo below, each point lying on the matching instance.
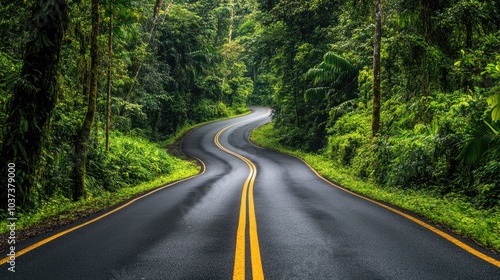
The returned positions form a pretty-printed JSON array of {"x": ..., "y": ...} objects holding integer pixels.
[
  {"x": 480, "y": 140},
  {"x": 333, "y": 75},
  {"x": 495, "y": 113},
  {"x": 494, "y": 103}
]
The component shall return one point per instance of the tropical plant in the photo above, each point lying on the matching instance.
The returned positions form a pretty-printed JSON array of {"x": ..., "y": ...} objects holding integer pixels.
[
  {"x": 335, "y": 79},
  {"x": 483, "y": 138},
  {"x": 494, "y": 99}
]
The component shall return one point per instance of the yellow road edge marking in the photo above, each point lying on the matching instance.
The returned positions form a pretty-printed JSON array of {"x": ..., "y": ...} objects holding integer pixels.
[
  {"x": 55, "y": 236},
  {"x": 441, "y": 233},
  {"x": 239, "y": 259}
]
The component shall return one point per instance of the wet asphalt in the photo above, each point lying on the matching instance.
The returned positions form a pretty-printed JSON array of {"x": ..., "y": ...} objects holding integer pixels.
[{"x": 307, "y": 229}]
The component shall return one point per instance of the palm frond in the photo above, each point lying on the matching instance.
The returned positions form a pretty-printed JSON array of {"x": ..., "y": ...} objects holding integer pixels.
[
  {"x": 316, "y": 93},
  {"x": 342, "y": 108},
  {"x": 334, "y": 75},
  {"x": 483, "y": 139},
  {"x": 317, "y": 74},
  {"x": 339, "y": 62}
]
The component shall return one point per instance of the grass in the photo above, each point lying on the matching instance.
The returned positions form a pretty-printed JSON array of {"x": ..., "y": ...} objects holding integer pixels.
[{"x": 451, "y": 211}]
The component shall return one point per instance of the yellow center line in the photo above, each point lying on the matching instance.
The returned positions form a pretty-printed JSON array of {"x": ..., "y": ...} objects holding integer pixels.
[
  {"x": 239, "y": 258},
  {"x": 257, "y": 271}
]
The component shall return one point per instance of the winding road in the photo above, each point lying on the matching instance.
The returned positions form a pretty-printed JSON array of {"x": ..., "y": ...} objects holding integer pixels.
[{"x": 252, "y": 214}]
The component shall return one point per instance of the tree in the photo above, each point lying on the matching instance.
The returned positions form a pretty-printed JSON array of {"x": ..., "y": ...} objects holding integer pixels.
[
  {"x": 110, "y": 61},
  {"x": 83, "y": 137},
  {"x": 34, "y": 98},
  {"x": 376, "y": 70}
]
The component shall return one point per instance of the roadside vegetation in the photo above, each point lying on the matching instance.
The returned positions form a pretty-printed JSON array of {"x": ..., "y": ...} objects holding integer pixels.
[
  {"x": 403, "y": 96},
  {"x": 135, "y": 165},
  {"x": 452, "y": 211}
]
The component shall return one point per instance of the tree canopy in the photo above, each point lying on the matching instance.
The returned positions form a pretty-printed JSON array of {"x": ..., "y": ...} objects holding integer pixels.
[{"x": 150, "y": 68}]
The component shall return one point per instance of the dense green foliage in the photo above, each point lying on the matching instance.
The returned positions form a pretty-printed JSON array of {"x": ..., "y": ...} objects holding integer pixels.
[
  {"x": 59, "y": 210},
  {"x": 130, "y": 161},
  {"x": 440, "y": 80},
  {"x": 452, "y": 210},
  {"x": 172, "y": 64}
]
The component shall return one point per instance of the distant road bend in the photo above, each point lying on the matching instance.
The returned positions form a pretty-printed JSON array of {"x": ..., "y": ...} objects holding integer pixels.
[{"x": 252, "y": 214}]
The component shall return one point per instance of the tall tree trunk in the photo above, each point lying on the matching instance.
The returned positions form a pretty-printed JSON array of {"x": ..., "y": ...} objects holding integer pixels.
[
  {"x": 34, "y": 99},
  {"x": 254, "y": 72},
  {"x": 426, "y": 18},
  {"x": 110, "y": 62},
  {"x": 376, "y": 70},
  {"x": 231, "y": 20},
  {"x": 83, "y": 137}
]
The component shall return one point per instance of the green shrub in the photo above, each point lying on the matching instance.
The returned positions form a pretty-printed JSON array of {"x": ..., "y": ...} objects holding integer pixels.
[
  {"x": 207, "y": 110},
  {"x": 487, "y": 178},
  {"x": 344, "y": 148},
  {"x": 130, "y": 161},
  {"x": 412, "y": 162},
  {"x": 346, "y": 135}
]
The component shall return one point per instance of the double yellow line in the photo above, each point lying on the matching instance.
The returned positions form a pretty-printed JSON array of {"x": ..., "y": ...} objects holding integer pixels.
[{"x": 247, "y": 194}]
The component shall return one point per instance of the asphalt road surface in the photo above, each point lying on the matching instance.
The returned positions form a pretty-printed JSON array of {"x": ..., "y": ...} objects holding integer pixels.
[{"x": 252, "y": 214}]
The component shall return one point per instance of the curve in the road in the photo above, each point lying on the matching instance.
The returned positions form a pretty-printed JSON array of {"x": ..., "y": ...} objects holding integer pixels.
[
  {"x": 57, "y": 235},
  {"x": 199, "y": 229},
  {"x": 239, "y": 258},
  {"x": 247, "y": 195}
]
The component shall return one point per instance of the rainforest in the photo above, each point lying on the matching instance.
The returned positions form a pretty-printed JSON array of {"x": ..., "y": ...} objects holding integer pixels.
[{"x": 400, "y": 95}]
